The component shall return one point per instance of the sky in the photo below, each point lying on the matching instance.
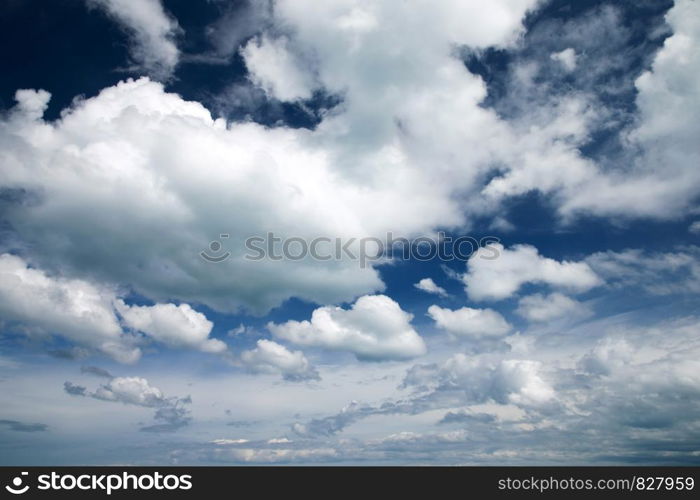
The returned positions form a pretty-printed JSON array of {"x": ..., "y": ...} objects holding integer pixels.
[{"x": 143, "y": 144}]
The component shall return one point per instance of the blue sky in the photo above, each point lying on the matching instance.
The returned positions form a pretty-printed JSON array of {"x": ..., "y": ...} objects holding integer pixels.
[{"x": 134, "y": 134}]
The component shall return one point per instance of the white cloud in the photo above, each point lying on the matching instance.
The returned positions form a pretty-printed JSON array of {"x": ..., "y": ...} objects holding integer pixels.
[
  {"x": 131, "y": 390},
  {"x": 225, "y": 441},
  {"x": 32, "y": 103},
  {"x": 566, "y": 57},
  {"x": 283, "y": 440},
  {"x": 178, "y": 326},
  {"x": 538, "y": 307},
  {"x": 273, "y": 68},
  {"x": 499, "y": 278},
  {"x": 152, "y": 31},
  {"x": 694, "y": 228},
  {"x": 269, "y": 356},
  {"x": 189, "y": 178},
  {"x": 374, "y": 328},
  {"x": 170, "y": 412},
  {"x": 470, "y": 323},
  {"x": 521, "y": 382},
  {"x": 429, "y": 286},
  {"x": 661, "y": 356},
  {"x": 544, "y": 153},
  {"x": 608, "y": 355},
  {"x": 86, "y": 314}
]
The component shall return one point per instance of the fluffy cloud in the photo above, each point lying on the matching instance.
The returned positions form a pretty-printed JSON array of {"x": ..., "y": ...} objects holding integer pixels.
[
  {"x": 522, "y": 383},
  {"x": 178, "y": 326},
  {"x": 247, "y": 177},
  {"x": 131, "y": 390},
  {"x": 152, "y": 31},
  {"x": 429, "y": 286},
  {"x": 351, "y": 47},
  {"x": 170, "y": 412},
  {"x": 86, "y": 314},
  {"x": 269, "y": 356},
  {"x": 374, "y": 328},
  {"x": 499, "y": 278},
  {"x": 273, "y": 68},
  {"x": 538, "y": 307},
  {"x": 608, "y": 355},
  {"x": 470, "y": 323},
  {"x": 507, "y": 381},
  {"x": 357, "y": 46}
]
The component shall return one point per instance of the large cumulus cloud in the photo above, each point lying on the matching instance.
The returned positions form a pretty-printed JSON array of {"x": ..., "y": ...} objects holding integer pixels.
[{"x": 374, "y": 328}]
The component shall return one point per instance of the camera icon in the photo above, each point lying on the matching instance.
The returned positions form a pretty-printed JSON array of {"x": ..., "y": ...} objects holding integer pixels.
[
  {"x": 215, "y": 247},
  {"x": 16, "y": 488}
]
